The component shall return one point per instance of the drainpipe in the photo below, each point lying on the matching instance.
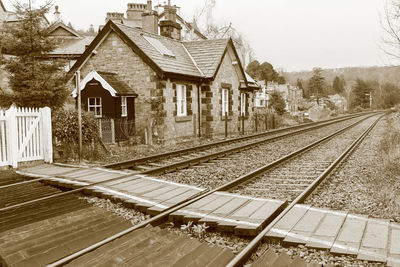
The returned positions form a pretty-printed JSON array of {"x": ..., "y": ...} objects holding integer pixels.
[{"x": 199, "y": 107}]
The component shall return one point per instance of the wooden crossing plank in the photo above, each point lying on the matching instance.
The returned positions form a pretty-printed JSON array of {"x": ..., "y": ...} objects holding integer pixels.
[
  {"x": 374, "y": 243},
  {"x": 102, "y": 176},
  {"x": 180, "y": 214},
  {"x": 305, "y": 227},
  {"x": 125, "y": 186},
  {"x": 326, "y": 233},
  {"x": 394, "y": 245},
  {"x": 199, "y": 213},
  {"x": 283, "y": 227},
  {"x": 260, "y": 217},
  {"x": 48, "y": 170},
  {"x": 349, "y": 239},
  {"x": 173, "y": 200},
  {"x": 79, "y": 173}
]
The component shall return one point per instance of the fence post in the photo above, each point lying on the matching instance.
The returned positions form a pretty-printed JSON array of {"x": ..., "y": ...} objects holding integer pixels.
[
  {"x": 47, "y": 136},
  {"x": 242, "y": 116},
  {"x": 226, "y": 124},
  {"x": 12, "y": 136},
  {"x": 266, "y": 121}
]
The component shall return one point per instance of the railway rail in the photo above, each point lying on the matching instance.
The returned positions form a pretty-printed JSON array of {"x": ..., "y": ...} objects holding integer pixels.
[
  {"x": 239, "y": 259},
  {"x": 171, "y": 161}
]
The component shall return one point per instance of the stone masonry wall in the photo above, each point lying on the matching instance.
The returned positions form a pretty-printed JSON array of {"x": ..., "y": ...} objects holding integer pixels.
[{"x": 113, "y": 55}]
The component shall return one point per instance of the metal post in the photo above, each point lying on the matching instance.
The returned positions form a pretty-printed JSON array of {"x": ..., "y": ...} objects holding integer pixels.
[
  {"x": 256, "y": 123},
  {"x": 273, "y": 121},
  {"x": 78, "y": 89},
  {"x": 266, "y": 121},
  {"x": 370, "y": 100},
  {"x": 226, "y": 124},
  {"x": 242, "y": 123}
]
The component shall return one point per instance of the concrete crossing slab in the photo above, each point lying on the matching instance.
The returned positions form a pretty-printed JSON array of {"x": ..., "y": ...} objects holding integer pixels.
[{"x": 375, "y": 241}]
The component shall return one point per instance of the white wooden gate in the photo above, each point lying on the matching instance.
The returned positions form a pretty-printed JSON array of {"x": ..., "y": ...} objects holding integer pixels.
[{"x": 25, "y": 135}]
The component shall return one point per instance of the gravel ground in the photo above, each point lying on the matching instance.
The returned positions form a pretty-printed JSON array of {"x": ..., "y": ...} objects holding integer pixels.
[
  {"x": 353, "y": 185},
  {"x": 215, "y": 173},
  {"x": 287, "y": 181}
]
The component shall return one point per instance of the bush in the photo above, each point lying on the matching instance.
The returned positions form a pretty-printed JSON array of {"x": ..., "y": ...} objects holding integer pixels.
[{"x": 65, "y": 132}]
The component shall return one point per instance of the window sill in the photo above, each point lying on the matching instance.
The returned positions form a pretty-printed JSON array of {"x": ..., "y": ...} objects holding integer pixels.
[{"x": 183, "y": 118}]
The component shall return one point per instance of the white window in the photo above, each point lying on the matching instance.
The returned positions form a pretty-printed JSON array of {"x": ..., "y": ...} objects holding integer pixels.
[
  {"x": 242, "y": 104},
  {"x": 225, "y": 101},
  {"x": 94, "y": 105},
  {"x": 124, "y": 107},
  {"x": 181, "y": 99}
]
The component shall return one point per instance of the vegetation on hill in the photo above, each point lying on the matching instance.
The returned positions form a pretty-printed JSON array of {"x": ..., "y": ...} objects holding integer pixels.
[{"x": 356, "y": 83}]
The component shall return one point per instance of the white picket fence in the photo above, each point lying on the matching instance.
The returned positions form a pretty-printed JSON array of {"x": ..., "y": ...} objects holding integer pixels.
[{"x": 25, "y": 135}]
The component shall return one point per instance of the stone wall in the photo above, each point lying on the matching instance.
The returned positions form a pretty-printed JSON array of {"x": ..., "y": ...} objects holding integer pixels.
[
  {"x": 113, "y": 55},
  {"x": 213, "y": 122}
]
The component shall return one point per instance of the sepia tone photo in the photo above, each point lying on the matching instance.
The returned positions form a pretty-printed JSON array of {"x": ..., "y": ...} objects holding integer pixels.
[{"x": 200, "y": 133}]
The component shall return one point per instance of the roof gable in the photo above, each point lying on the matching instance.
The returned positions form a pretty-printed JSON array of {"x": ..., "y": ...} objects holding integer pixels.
[
  {"x": 109, "y": 81},
  {"x": 2, "y": 6},
  {"x": 59, "y": 29},
  {"x": 163, "y": 65}
]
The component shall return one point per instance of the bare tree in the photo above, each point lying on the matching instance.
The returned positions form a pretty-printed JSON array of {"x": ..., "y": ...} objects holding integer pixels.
[
  {"x": 390, "y": 23},
  {"x": 212, "y": 30}
]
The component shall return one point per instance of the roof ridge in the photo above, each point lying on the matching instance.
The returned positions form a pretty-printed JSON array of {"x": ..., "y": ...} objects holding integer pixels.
[{"x": 208, "y": 40}]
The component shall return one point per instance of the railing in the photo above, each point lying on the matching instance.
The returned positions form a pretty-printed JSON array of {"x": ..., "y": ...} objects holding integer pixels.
[{"x": 25, "y": 135}]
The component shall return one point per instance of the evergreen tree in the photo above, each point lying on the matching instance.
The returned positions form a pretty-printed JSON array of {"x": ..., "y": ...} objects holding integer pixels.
[
  {"x": 299, "y": 84},
  {"x": 338, "y": 85},
  {"x": 316, "y": 84},
  {"x": 359, "y": 94},
  {"x": 278, "y": 103},
  {"x": 35, "y": 80}
]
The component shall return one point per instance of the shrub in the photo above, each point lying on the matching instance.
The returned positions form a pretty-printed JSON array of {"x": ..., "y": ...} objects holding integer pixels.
[{"x": 65, "y": 131}]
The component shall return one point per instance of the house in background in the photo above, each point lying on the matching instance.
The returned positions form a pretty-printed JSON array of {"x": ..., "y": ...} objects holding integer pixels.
[
  {"x": 70, "y": 43},
  {"x": 136, "y": 13},
  {"x": 291, "y": 94},
  {"x": 184, "y": 88}
]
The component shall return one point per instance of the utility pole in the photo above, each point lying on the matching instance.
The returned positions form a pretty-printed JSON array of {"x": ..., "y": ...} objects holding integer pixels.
[{"x": 78, "y": 90}]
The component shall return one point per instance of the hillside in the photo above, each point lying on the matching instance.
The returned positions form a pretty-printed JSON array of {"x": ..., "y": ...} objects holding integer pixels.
[{"x": 381, "y": 74}]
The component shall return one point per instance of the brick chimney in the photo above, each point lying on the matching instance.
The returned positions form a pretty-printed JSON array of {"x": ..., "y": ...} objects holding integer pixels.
[
  {"x": 169, "y": 27},
  {"x": 135, "y": 11},
  {"x": 150, "y": 19},
  {"x": 115, "y": 16}
]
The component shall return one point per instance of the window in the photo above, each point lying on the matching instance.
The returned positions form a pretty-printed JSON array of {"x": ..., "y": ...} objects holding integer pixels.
[
  {"x": 181, "y": 100},
  {"x": 242, "y": 104},
  {"x": 124, "y": 107},
  {"x": 225, "y": 101},
  {"x": 160, "y": 47},
  {"x": 94, "y": 105}
]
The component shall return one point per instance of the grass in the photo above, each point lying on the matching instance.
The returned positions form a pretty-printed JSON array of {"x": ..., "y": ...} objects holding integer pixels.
[{"x": 388, "y": 180}]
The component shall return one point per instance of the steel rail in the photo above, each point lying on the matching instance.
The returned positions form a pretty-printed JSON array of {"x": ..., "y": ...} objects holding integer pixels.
[
  {"x": 214, "y": 155},
  {"x": 129, "y": 163},
  {"x": 240, "y": 258},
  {"x": 161, "y": 217},
  {"x": 199, "y": 159}
]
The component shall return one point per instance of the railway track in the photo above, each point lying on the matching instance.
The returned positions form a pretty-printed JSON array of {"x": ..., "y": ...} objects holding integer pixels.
[
  {"x": 169, "y": 212},
  {"x": 172, "y": 161}
]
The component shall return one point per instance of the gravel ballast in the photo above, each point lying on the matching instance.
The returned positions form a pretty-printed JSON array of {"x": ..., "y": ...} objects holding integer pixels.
[
  {"x": 363, "y": 184},
  {"x": 218, "y": 172}
]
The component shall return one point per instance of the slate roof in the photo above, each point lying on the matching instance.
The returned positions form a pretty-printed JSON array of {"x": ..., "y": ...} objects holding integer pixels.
[
  {"x": 207, "y": 54},
  {"x": 117, "y": 83},
  {"x": 195, "y": 59},
  {"x": 181, "y": 63},
  {"x": 72, "y": 46}
]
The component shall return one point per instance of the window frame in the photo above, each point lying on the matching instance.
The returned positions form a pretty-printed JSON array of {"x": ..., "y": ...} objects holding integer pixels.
[
  {"x": 225, "y": 101},
  {"x": 95, "y": 106},
  {"x": 181, "y": 100},
  {"x": 124, "y": 106}
]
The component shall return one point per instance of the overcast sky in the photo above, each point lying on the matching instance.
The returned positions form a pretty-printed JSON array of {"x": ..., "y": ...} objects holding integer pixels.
[{"x": 290, "y": 34}]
